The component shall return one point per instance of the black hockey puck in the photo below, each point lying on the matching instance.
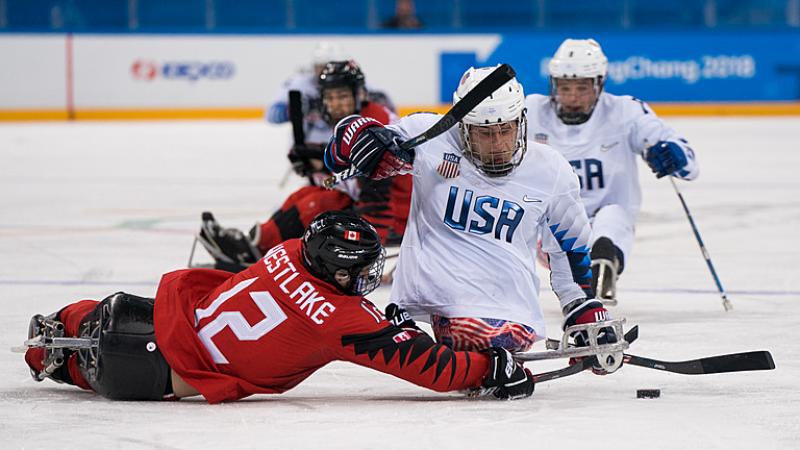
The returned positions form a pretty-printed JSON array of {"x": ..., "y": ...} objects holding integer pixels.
[{"x": 648, "y": 393}]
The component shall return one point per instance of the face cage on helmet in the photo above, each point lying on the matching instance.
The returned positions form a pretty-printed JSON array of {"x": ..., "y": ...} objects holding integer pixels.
[
  {"x": 364, "y": 284},
  {"x": 575, "y": 118},
  {"x": 497, "y": 170}
]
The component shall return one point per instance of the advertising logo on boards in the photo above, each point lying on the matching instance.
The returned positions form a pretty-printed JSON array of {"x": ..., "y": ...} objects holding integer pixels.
[{"x": 192, "y": 71}]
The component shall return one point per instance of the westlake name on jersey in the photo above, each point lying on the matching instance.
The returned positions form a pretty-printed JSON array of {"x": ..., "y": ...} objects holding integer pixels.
[
  {"x": 470, "y": 243},
  {"x": 603, "y": 150}
]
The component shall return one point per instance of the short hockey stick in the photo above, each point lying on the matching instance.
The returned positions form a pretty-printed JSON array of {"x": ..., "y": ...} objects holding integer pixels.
[
  {"x": 735, "y": 362},
  {"x": 480, "y": 92},
  {"x": 725, "y": 302}
]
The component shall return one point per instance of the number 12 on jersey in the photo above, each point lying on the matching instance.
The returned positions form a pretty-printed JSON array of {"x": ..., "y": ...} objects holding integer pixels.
[{"x": 241, "y": 328}]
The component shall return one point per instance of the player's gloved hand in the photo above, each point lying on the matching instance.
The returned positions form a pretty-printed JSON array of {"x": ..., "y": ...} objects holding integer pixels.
[
  {"x": 300, "y": 165},
  {"x": 589, "y": 311},
  {"x": 399, "y": 317},
  {"x": 509, "y": 379},
  {"x": 365, "y": 143},
  {"x": 302, "y": 158},
  {"x": 278, "y": 113},
  {"x": 665, "y": 158}
]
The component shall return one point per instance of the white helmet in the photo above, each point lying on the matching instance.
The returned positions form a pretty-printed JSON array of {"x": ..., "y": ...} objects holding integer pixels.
[
  {"x": 505, "y": 105},
  {"x": 326, "y": 52},
  {"x": 578, "y": 58}
]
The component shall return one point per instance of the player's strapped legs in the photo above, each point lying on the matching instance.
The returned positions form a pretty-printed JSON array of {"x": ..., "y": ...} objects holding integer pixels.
[
  {"x": 475, "y": 334},
  {"x": 127, "y": 364},
  {"x": 296, "y": 213}
]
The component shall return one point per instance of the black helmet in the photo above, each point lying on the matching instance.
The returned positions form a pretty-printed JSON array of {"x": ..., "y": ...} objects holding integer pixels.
[
  {"x": 338, "y": 74},
  {"x": 337, "y": 241}
]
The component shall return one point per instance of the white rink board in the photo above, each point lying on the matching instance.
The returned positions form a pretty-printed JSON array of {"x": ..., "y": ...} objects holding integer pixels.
[
  {"x": 88, "y": 209},
  {"x": 33, "y": 73},
  {"x": 106, "y": 74}
]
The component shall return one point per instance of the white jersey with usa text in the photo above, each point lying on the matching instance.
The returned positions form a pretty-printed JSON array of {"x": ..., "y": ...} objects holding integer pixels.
[
  {"x": 469, "y": 246},
  {"x": 604, "y": 150}
]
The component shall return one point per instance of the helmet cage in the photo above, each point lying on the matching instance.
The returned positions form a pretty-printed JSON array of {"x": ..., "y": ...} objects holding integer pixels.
[
  {"x": 575, "y": 117},
  {"x": 577, "y": 59},
  {"x": 483, "y": 160}
]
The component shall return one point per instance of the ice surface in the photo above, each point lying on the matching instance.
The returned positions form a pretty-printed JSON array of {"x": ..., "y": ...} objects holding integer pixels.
[{"x": 87, "y": 209}]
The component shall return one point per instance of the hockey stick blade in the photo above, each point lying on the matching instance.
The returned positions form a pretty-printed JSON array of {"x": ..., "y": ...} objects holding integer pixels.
[
  {"x": 499, "y": 76},
  {"x": 735, "y": 362}
]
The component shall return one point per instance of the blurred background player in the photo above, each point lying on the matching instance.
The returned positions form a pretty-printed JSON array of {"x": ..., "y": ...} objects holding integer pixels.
[
  {"x": 602, "y": 135},
  {"x": 306, "y": 304},
  {"x": 479, "y": 202},
  {"x": 306, "y": 81},
  {"x": 384, "y": 203}
]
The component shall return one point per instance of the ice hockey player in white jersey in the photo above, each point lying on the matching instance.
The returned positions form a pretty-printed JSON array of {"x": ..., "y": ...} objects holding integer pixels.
[
  {"x": 602, "y": 135},
  {"x": 482, "y": 192},
  {"x": 306, "y": 81}
]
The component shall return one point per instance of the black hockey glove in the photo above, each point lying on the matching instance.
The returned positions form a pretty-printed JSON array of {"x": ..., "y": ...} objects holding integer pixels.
[
  {"x": 509, "y": 379},
  {"x": 399, "y": 317},
  {"x": 301, "y": 157}
]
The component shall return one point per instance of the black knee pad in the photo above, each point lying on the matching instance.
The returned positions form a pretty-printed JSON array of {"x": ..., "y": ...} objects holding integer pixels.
[
  {"x": 289, "y": 224},
  {"x": 127, "y": 364},
  {"x": 604, "y": 248}
]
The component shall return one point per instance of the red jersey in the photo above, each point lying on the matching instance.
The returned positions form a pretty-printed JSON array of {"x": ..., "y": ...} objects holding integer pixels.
[{"x": 267, "y": 328}]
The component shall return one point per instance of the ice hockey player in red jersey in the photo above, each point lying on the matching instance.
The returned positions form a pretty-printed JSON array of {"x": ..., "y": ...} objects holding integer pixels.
[
  {"x": 264, "y": 330},
  {"x": 384, "y": 203}
]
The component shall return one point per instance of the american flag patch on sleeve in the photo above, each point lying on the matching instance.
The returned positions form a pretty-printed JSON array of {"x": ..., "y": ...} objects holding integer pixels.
[{"x": 450, "y": 166}]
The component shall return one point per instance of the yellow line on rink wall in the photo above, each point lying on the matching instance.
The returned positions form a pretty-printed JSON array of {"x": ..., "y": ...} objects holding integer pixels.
[
  {"x": 662, "y": 109},
  {"x": 169, "y": 114},
  {"x": 727, "y": 109},
  {"x": 33, "y": 114}
]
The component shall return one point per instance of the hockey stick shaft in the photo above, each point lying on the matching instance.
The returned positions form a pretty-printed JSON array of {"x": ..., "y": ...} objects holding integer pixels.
[
  {"x": 735, "y": 362},
  {"x": 296, "y": 117},
  {"x": 579, "y": 367},
  {"x": 480, "y": 92},
  {"x": 725, "y": 302},
  {"x": 298, "y": 132}
]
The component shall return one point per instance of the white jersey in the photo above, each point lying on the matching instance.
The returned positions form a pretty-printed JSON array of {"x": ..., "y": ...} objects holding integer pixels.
[
  {"x": 469, "y": 246},
  {"x": 603, "y": 150},
  {"x": 304, "y": 81}
]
